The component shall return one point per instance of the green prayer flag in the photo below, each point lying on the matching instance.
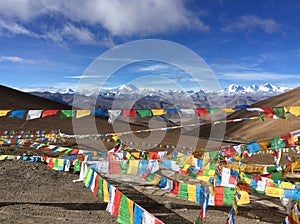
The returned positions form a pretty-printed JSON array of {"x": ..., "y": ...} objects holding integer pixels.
[
  {"x": 205, "y": 173},
  {"x": 213, "y": 155},
  {"x": 124, "y": 166},
  {"x": 280, "y": 112},
  {"x": 228, "y": 195},
  {"x": 144, "y": 113},
  {"x": 123, "y": 213},
  {"x": 212, "y": 166},
  {"x": 276, "y": 143},
  {"x": 261, "y": 118},
  {"x": 212, "y": 110},
  {"x": 55, "y": 166},
  {"x": 183, "y": 191},
  {"x": 271, "y": 169},
  {"x": 150, "y": 177},
  {"x": 277, "y": 175},
  {"x": 77, "y": 165},
  {"x": 100, "y": 188},
  {"x": 67, "y": 113}
]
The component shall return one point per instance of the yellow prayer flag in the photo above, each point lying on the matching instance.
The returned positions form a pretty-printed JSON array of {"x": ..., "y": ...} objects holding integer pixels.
[
  {"x": 295, "y": 110},
  {"x": 247, "y": 180},
  {"x": 128, "y": 156},
  {"x": 228, "y": 110},
  {"x": 204, "y": 178},
  {"x": 205, "y": 159},
  {"x": 4, "y": 112},
  {"x": 211, "y": 172},
  {"x": 61, "y": 149},
  {"x": 60, "y": 163},
  {"x": 105, "y": 191},
  {"x": 233, "y": 166},
  {"x": 252, "y": 168},
  {"x": 3, "y": 157},
  {"x": 130, "y": 204},
  {"x": 115, "y": 137},
  {"x": 285, "y": 184},
  {"x": 245, "y": 199},
  {"x": 156, "y": 179},
  {"x": 190, "y": 160},
  {"x": 191, "y": 192},
  {"x": 82, "y": 113},
  {"x": 133, "y": 167},
  {"x": 136, "y": 154},
  {"x": 274, "y": 191},
  {"x": 157, "y": 112},
  {"x": 185, "y": 167}
]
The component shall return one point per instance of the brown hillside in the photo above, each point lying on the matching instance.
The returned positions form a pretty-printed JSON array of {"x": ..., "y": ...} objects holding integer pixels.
[{"x": 13, "y": 99}]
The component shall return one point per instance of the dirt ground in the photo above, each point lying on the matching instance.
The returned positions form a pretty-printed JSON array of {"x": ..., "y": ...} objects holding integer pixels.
[{"x": 33, "y": 193}]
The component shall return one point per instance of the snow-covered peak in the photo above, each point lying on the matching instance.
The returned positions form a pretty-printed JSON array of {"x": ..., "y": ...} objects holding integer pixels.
[
  {"x": 234, "y": 89},
  {"x": 129, "y": 87}
]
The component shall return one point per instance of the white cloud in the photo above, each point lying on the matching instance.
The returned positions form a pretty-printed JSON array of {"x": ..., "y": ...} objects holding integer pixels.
[
  {"x": 255, "y": 76},
  {"x": 13, "y": 28},
  {"x": 81, "y": 34},
  {"x": 15, "y": 59},
  {"x": 248, "y": 22},
  {"x": 83, "y": 76},
  {"x": 118, "y": 18},
  {"x": 154, "y": 67}
]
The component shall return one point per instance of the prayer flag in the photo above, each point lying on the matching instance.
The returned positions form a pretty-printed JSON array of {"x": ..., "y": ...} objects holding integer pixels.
[
  {"x": 46, "y": 113},
  {"x": 82, "y": 113}
]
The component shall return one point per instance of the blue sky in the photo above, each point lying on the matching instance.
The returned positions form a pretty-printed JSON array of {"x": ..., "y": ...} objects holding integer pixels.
[{"x": 46, "y": 43}]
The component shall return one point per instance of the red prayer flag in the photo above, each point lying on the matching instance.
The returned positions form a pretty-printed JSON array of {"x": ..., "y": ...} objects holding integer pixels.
[
  {"x": 175, "y": 187},
  {"x": 50, "y": 164},
  {"x": 219, "y": 195},
  {"x": 116, "y": 203},
  {"x": 153, "y": 155},
  {"x": 49, "y": 113},
  {"x": 268, "y": 110},
  {"x": 201, "y": 111},
  {"x": 245, "y": 187},
  {"x": 96, "y": 184},
  {"x": 129, "y": 113},
  {"x": 114, "y": 167}
]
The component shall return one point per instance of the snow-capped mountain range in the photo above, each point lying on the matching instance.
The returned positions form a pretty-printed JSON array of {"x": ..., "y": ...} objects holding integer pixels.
[
  {"x": 232, "y": 89},
  {"x": 134, "y": 97},
  {"x": 254, "y": 89}
]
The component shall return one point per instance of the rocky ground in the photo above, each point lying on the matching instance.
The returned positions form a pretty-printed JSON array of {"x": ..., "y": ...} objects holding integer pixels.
[{"x": 33, "y": 193}]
